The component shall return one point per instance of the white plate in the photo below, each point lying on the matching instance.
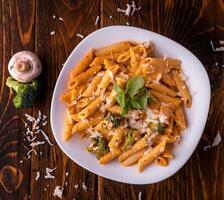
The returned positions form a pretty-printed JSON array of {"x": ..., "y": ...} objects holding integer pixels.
[{"x": 199, "y": 85}]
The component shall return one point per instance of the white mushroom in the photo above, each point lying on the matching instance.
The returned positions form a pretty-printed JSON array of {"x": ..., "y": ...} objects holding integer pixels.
[{"x": 24, "y": 66}]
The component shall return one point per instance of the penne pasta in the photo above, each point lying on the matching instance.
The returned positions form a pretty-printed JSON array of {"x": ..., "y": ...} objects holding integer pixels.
[
  {"x": 114, "y": 48},
  {"x": 180, "y": 118},
  {"x": 175, "y": 102},
  {"x": 139, "y": 145},
  {"x": 85, "y": 124},
  {"x": 90, "y": 109},
  {"x": 133, "y": 159},
  {"x": 182, "y": 87},
  {"x": 162, "y": 89},
  {"x": 84, "y": 76},
  {"x": 151, "y": 155},
  {"x": 83, "y": 64},
  {"x": 90, "y": 90},
  {"x": 110, "y": 156}
]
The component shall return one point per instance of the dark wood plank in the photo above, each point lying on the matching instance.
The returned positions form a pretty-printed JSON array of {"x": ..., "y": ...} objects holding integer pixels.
[
  {"x": 16, "y": 34},
  {"x": 76, "y": 17},
  {"x": 191, "y": 24}
]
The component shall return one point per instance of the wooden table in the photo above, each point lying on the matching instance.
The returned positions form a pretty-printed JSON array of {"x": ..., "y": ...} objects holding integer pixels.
[{"x": 28, "y": 24}]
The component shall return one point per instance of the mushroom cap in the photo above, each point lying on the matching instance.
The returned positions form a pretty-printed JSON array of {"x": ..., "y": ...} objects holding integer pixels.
[{"x": 24, "y": 66}]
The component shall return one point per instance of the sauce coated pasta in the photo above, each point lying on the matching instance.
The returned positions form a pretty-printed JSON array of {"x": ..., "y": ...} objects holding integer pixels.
[{"x": 128, "y": 103}]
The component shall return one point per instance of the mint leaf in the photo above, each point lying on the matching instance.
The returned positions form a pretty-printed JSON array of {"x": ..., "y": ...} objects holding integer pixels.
[
  {"x": 135, "y": 103},
  {"x": 117, "y": 88},
  {"x": 122, "y": 100},
  {"x": 126, "y": 108},
  {"x": 133, "y": 85},
  {"x": 139, "y": 102}
]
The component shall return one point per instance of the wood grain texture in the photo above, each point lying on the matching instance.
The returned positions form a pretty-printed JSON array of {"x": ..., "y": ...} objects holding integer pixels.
[{"x": 27, "y": 24}]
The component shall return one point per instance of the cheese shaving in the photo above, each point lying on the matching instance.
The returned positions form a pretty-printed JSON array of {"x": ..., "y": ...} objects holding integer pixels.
[
  {"x": 140, "y": 196},
  {"x": 37, "y": 176},
  {"x": 215, "y": 142},
  {"x": 52, "y": 33},
  {"x": 217, "y": 48},
  {"x": 84, "y": 187},
  {"x": 97, "y": 19},
  {"x": 80, "y": 35},
  {"x": 58, "y": 191},
  {"x": 48, "y": 173},
  {"x": 37, "y": 143},
  {"x": 30, "y": 152}
]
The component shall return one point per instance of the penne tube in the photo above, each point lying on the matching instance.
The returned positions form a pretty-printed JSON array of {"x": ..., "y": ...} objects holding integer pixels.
[
  {"x": 117, "y": 138},
  {"x": 160, "y": 160},
  {"x": 180, "y": 117},
  {"x": 106, "y": 80},
  {"x": 115, "y": 109},
  {"x": 173, "y": 63},
  {"x": 83, "y": 77},
  {"x": 167, "y": 79},
  {"x": 71, "y": 94},
  {"x": 90, "y": 90},
  {"x": 84, "y": 102},
  {"x": 67, "y": 129},
  {"x": 161, "y": 88},
  {"x": 114, "y": 48},
  {"x": 182, "y": 87},
  {"x": 110, "y": 156},
  {"x": 75, "y": 117},
  {"x": 175, "y": 102},
  {"x": 124, "y": 57},
  {"x": 85, "y": 124},
  {"x": 133, "y": 159},
  {"x": 148, "y": 157},
  {"x": 139, "y": 145},
  {"x": 83, "y": 64},
  {"x": 90, "y": 109}
]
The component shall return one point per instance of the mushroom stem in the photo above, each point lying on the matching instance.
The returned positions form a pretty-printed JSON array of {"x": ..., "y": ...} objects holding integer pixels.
[{"x": 23, "y": 66}]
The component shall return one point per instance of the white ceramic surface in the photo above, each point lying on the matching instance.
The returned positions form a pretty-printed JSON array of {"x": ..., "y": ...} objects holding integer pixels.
[{"x": 199, "y": 85}]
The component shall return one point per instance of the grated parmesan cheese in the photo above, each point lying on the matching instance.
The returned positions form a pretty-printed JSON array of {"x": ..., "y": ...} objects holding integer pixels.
[
  {"x": 60, "y": 19},
  {"x": 217, "y": 48},
  {"x": 127, "y": 23},
  {"x": 84, "y": 187},
  {"x": 97, "y": 19},
  {"x": 140, "y": 196},
  {"x": 76, "y": 186},
  {"x": 66, "y": 174},
  {"x": 52, "y": 33},
  {"x": 53, "y": 16},
  {"x": 30, "y": 152},
  {"x": 215, "y": 142},
  {"x": 58, "y": 191},
  {"x": 48, "y": 173},
  {"x": 21, "y": 161},
  {"x": 94, "y": 133},
  {"x": 110, "y": 17},
  {"x": 37, "y": 143},
  {"x": 37, "y": 176},
  {"x": 80, "y": 35}
]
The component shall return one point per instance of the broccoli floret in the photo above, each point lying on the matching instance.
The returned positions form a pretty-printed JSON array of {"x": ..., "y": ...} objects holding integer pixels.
[
  {"x": 130, "y": 138},
  {"x": 114, "y": 119},
  {"x": 158, "y": 127},
  {"x": 98, "y": 146},
  {"x": 26, "y": 93}
]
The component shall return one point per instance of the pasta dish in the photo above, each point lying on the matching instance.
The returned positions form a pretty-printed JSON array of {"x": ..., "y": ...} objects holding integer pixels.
[{"x": 128, "y": 103}]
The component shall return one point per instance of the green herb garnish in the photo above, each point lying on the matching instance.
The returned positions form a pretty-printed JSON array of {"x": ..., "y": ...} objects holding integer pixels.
[{"x": 135, "y": 95}]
